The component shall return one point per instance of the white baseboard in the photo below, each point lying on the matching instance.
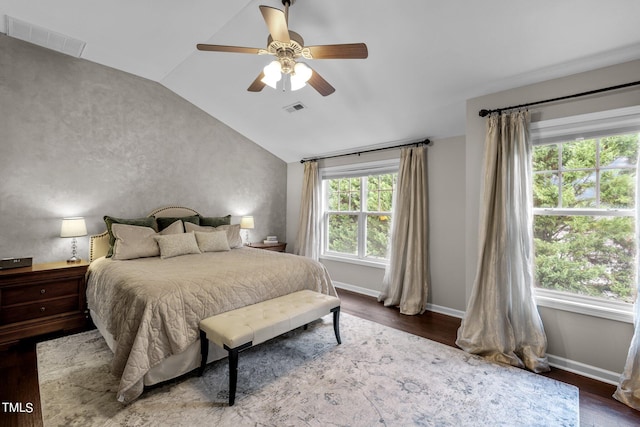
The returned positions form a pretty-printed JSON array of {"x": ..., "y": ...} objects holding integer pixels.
[
  {"x": 445, "y": 310},
  {"x": 573, "y": 366},
  {"x": 357, "y": 289},
  {"x": 584, "y": 370},
  {"x": 370, "y": 292}
]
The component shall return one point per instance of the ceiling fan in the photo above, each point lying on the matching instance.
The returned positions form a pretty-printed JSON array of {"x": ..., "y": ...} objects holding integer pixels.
[{"x": 288, "y": 47}]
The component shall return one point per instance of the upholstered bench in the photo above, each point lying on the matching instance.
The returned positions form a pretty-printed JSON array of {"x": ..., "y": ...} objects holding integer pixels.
[{"x": 239, "y": 329}]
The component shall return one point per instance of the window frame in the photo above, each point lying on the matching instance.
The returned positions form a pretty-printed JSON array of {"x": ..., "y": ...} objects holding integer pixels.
[
  {"x": 357, "y": 170},
  {"x": 586, "y": 126}
]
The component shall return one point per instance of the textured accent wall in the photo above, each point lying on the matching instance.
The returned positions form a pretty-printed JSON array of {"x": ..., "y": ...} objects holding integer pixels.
[{"x": 81, "y": 139}]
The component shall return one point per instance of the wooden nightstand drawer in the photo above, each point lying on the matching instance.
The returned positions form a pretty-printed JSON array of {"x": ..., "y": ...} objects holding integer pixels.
[
  {"x": 41, "y": 299},
  {"x": 22, "y": 312},
  {"x": 38, "y": 292}
]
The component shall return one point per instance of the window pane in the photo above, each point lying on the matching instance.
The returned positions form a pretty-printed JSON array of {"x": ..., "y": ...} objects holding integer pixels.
[
  {"x": 378, "y": 228},
  {"x": 586, "y": 255},
  {"x": 579, "y": 154},
  {"x": 579, "y": 189},
  {"x": 545, "y": 158},
  {"x": 619, "y": 151},
  {"x": 618, "y": 188},
  {"x": 344, "y": 194},
  {"x": 545, "y": 190},
  {"x": 342, "y": 234},
  {"x": 380, "y": 192},
  {"x": 333, "y": 194}
]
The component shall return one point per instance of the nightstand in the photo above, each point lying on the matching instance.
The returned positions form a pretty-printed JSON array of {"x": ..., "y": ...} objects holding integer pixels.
[
  {"x": 276, "y": 247},
  {"x": 41, "y": 299}
]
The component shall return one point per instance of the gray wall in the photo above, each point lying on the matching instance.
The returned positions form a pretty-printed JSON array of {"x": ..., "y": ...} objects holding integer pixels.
[
  {"x": 600, "y": 344},
  {"x": 81, "y": 139},
  {"x": 445, "y": 161}
]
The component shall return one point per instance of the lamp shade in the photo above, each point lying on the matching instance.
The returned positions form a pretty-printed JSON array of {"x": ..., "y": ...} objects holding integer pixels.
[
  {"x": 302, "y": 74},
  {"x": 246, "y": 222},
  {"x": 73, "y": 227},
  {"x": 272, "y": 74}
]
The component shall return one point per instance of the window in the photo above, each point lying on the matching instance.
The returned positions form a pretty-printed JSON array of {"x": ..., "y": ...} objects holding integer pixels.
[
  {"x": 584, "y": 206},
  {"x": 357, "y": 209}
]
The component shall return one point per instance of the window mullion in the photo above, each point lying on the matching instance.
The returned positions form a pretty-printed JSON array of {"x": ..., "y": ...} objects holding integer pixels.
[{"x": 362, "y": 223}]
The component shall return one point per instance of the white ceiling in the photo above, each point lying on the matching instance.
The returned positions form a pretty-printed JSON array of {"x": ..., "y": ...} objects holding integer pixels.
[{"x": 426, "y": 58}]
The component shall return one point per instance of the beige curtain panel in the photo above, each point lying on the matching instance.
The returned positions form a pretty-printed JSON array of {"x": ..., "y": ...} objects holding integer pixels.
[
  {"x": 628, "y": 391},
  {"x": 406, "y": 281},
  {"x": 307, "y": 241},
  {"x": 502, "y": 322}
]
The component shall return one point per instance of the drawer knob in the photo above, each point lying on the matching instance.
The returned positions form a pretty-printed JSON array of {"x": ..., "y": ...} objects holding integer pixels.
[
  {"x": 42, "y": 291},
  {"x": 42, "y": 308}
]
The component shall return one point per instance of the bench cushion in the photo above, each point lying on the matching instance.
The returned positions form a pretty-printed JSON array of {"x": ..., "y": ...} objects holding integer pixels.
[{"x": 260, "y": 322}]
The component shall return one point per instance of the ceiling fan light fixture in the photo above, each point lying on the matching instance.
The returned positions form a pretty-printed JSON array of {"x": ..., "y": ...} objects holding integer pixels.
[
  {"x": 300, "y": 76},
  {"x": 272, "y": 74}
]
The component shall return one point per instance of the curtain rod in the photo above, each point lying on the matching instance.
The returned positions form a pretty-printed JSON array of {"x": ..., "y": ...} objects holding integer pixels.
[
  {"x": 313, "y": 159},
  {"x": 484, "y": 113}
]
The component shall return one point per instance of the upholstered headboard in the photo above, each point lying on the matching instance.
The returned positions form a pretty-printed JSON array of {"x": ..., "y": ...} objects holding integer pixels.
[{"x": 99, "y": 243}]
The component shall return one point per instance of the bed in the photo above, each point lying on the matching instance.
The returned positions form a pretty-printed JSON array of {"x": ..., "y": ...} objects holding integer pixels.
[{"x": 148, "y": 308}]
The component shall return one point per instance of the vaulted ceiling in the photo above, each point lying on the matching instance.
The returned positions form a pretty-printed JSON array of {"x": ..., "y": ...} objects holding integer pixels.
[{"x": 426, "y": 58}]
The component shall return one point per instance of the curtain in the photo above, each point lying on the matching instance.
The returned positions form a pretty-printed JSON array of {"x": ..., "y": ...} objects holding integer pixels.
[
  {"x": 628, "y": 391},
  {"x": 406, "y": 281},
  {"x": 502, "y": 322},
  {"x": 307, "y": 240}
]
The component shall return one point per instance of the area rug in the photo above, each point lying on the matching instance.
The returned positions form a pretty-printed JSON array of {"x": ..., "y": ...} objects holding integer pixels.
[{"x": 378, "y": 377}]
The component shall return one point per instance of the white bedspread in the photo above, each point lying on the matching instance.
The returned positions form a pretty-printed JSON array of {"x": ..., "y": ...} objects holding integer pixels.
[{"x": 153, "y": 306}]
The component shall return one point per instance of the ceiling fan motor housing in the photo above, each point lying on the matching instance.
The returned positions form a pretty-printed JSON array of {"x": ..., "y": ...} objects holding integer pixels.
[{"x": 287, "y": 52}]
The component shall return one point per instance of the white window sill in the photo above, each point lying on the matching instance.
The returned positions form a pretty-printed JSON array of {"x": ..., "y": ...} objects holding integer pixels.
[
  {"x": 612, "y": 310},
  {"x": 358, "y": 261}
]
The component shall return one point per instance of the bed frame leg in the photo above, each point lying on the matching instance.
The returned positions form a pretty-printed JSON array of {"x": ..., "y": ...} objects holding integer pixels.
[
  {"x": 336, "y": 323},
  {"x": 204, "y": 351}
]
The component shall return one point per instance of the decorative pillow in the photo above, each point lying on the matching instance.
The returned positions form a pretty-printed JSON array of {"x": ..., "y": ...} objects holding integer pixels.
[
  {"x": 177, "y": 244},
  {"x": 133, "y": 241},
  {"x": 167, "y": 221},
  {"x": 214, "y": 221},
  {"x": 233, "y": 234},
  {"x": 189, "y": 227},
  {"x": 176, "y": 228},
  {"x": 109, "y": 220},
  {"x": 215, "y": 241},
  {"x": 232, "y": 230}
]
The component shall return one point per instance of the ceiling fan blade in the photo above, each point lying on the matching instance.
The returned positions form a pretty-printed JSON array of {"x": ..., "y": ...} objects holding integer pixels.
[
  {"x": 276, "y": 23},
  {"x": 321, "y": 85},
  {"x": 219, "y": 48},
  {"x": 339, "y": 51},
  {"x": 257, "y": 84}
]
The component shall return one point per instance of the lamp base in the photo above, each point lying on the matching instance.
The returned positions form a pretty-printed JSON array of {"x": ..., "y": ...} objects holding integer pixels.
[{"x": 73, "y": 260}]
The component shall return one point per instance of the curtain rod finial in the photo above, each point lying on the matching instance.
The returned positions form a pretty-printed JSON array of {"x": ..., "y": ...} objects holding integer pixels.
[{"x": 484, "y": 113}]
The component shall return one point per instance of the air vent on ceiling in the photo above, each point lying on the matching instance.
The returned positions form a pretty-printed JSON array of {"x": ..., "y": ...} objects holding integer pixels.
[
  {"x": 43, "y": 37},
  {"x": 295, "y": 107}
]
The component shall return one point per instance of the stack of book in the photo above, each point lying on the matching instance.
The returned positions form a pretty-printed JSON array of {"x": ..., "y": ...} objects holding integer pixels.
[{"x": 271, "y": 240}]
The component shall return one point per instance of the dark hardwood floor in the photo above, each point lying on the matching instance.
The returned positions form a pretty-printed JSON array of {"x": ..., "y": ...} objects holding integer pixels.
[{"x": 19, "y": 376}]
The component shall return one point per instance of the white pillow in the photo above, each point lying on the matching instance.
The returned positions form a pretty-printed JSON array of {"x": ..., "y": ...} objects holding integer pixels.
[
  {"x": 215, "y": 241},
  {"x": 173, "y": 245},
  {"x": 232, "y": 230},
  {"x": 233, "y": 234},
  {"x": 189, "y": 227},
  {"x": 133, "y": 241}
]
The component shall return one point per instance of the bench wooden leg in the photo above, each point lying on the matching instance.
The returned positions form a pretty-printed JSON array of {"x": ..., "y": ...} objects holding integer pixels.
[
  {"x": 233, "y": 370},
  {"x": 336, "y": 323},
  {"x": 204, "y": 351}
]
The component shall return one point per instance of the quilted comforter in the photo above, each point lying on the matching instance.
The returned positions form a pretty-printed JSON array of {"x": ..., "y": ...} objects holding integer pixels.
[{"x": 153, "y": 306}]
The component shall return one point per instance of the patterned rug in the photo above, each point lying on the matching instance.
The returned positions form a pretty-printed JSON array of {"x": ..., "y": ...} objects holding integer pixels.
[{"x": 377, "y": 377}]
